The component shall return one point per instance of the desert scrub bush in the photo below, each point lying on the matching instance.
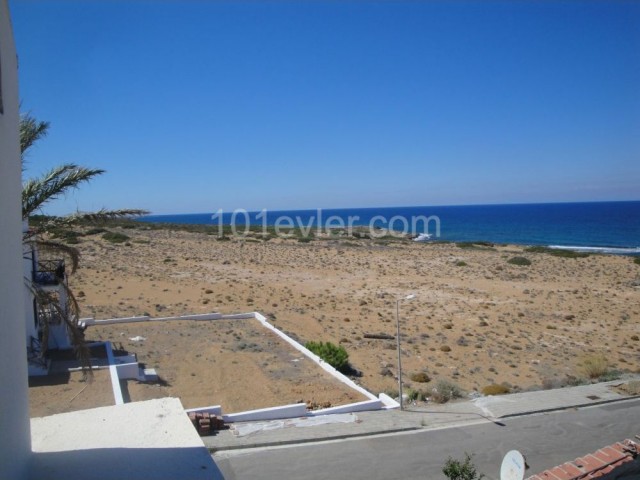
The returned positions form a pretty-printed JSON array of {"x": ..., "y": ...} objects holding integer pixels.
[
  {"x": 476, "y": 245},
  {"x": 495, "y": 389},
  {"x": 632, "y": 388},
  {"x": 520, "y": 261},
  {"x": 69, "y": 237},
  {"x": 557, "y": 252},
  {"x": 445, "y": 348},
  {"x": 595, "y": 366},
  {"x": 461, "y": 470},
  {"x": 445, "y": 391},
  {"x": 115, "y": 237},
  {"x": 461, "y": 263},
  {"x": 334, "y": 355},
  {"x": 95, "y": 231},
  {"x": 566, "y": 381},
  {"x": 416, "y": 395},
  {"x": 636, "y": 260},
  {"x": 420, "y": 377},
  {"x": 610, "y": 375}
]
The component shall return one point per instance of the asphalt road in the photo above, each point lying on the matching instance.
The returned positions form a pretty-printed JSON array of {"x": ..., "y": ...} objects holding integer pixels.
[{"x": 545, "y": 440}]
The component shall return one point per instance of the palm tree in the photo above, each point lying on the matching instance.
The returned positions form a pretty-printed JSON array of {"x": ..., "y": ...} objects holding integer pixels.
[{"x": 36, "y": 193}]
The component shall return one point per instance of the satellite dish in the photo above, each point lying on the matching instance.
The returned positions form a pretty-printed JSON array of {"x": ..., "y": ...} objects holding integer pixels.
[{"x": 513, "y": 466}]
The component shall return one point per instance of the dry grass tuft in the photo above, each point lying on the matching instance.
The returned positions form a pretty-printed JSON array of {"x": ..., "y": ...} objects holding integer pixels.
[{"x": 595, "y": 366}]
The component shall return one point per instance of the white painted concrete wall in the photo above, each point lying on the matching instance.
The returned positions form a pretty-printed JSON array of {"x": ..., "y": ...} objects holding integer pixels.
[
  {"x": 272, "y": 413},
  {"x": 113, "y": 371},
  {"x": 365, "y": 406},
  {"x": 212, "y": 410},
  {"x": 15, "y": 440}
]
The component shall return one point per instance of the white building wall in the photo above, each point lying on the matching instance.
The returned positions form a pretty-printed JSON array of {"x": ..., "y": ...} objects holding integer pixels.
[{"x": 15, "y": 441}]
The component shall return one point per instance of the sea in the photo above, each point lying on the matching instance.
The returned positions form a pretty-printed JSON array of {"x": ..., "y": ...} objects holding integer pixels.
[{"x": 606, "y": 227}]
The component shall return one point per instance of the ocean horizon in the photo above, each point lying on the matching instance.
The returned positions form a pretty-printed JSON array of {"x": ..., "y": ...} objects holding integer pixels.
[{"x": 608, "y": 227}]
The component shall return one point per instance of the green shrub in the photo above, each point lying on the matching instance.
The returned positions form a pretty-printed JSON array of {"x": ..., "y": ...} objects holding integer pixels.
[
  {"x": 520, "y": 261},
  {"x": 495, "y": 389},
  {"x": 416, "y": 396},
  {"x": 557, "y": 252},
  {"x": 445, "y": 391},
  {"x": 475, "y": 245},
  {"x": 636, "y": 260},
  {"x": 95, "y": 231},
  {"x": 461, "y": 263},
  {"x": 304, "y": 239},
  {"x": 66, "y": 236},
  {"x": 420, "y": 377},
  {"x": 115, "y": 237},
  {"x": 334, "y": 355},
  {"x": 465, "y": 470},
  {"x": 610, "y": 375},
  {"x": 595, "y": 366}
]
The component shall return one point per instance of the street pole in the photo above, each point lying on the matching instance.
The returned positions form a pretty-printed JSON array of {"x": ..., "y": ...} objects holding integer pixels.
[
  {"x": 408, "y": 297},
  {"x": 399, "y": 355}
]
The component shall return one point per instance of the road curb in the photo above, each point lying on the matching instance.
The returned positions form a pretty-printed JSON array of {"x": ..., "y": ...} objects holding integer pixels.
[
  {"x": 278, "y": 443},
  {"x": 567, "y": 407},
  {"x": 453, "y": 424}
]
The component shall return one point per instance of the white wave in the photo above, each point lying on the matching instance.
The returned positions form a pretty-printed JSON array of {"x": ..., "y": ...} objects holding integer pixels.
[{"x": 618, "y": 250}]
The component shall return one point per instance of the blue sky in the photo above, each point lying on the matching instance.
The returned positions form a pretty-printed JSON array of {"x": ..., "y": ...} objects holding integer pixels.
[{"x": 196, "y": 106}]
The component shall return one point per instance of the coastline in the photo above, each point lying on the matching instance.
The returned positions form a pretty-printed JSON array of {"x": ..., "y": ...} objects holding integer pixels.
[{"x": 612, "y": 227}]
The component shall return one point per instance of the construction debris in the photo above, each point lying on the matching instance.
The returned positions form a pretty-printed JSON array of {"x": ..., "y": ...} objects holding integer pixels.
[{"x": 206, "y": 423}]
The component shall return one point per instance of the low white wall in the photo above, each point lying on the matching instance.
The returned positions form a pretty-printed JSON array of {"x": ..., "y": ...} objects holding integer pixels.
[
  {"x": 365, "y": 406},
  {"x": 128, "y": 371},
  {"x": 324, "y": 365},
  {"x": 212, "y": 410},
  {"x": 115, "y": 380},
  {"x": 273, "y": 413},
  {"x": 388, "y": 402},
  {"x": 199, "y": 316},
  {"x": 87, "y": 322}
]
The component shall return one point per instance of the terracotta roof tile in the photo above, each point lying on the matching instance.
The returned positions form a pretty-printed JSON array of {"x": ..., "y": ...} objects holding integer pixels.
[{"x": 593, "y": 465}]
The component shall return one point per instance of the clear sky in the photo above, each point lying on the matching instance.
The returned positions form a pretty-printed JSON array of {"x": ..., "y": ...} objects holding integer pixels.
[{"x": 195, "y": 106}]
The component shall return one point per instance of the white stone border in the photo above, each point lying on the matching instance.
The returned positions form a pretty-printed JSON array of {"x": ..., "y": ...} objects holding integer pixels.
[
  {"x": 383, "y": 401},
  {"x": 113, "y": 372}
]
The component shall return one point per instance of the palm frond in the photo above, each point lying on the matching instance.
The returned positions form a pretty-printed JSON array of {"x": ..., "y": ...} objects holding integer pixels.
[
  {"x": 104, "y": 215},
  {"x": 56, "y": 247},
  {"x": 48, "y": 225},
  {"x": 49, "y": 307},
  {"x": 38, "y": 191},
  {"x": 31, "y": 130}
]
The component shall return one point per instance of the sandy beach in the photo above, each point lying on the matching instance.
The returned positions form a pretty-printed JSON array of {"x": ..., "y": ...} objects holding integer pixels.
[{"x": 476, "y": 319}]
